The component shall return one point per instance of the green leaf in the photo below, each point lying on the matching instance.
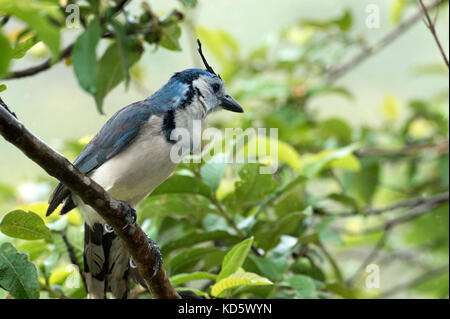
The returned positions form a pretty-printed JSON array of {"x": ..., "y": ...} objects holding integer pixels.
[
  {"x": 339, "y": 289},
  {"x": 189, "y": 3},
  {"x": 285, "y": 154},
  {"x": 75, "y": 237},
  {"x": 121, "y": 40},
  {"x": 170, "y": 37},
  {"x": 344, "y": 22},
  {"x": 7, "y": 54},
  {"x": 267, "y": 234},
  {"x": 176, "y": 206},
  {"x": 2, "y": 87},
  {"x": 397, "y": 9},
  {"x": 17, "y": 274},
  {"x": 304, "y": 285},
  {"x": 25, "y": 225},
  {"x": 34, "y": 248},
  {"x": 235, "y": 258},
  {"x": 339, "y": 158},
  {"x": 335, "y": 128},
  {"x": 272, "y": 268},
  {"x": 198, "y": 236},
  {"x": 345, "y": 200},
  {"x": 239, "y": 278},
  {"x": 189, "y": 258},
  {"x": 84, "y": 57},
  {"x": 363, "y": 184},
  {"x": 110, "y": 71},
  {"x": 35, "y": 14},
  {"x": 181, "y": 184},
  {"x": 253, "y": 185},
  {"x": 212, "y": 172},
  {"x": 182, "y": 278},
  {"x": 22, "y": 47}
]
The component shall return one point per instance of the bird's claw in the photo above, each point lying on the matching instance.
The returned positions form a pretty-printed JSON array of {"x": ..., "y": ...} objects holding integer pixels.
[
  {"x": 130, "y": 214},
  {"x": 156, "y": 254}
]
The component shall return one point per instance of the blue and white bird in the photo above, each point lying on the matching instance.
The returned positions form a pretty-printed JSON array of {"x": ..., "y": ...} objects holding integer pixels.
[{"x": 129, "y": 157}]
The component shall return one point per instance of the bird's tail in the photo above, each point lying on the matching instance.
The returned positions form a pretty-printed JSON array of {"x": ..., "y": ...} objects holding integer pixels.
[{"x": 106, "y": 262}]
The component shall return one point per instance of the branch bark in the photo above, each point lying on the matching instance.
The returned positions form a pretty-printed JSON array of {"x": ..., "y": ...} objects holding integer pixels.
[{"x": 114, "y": 213}]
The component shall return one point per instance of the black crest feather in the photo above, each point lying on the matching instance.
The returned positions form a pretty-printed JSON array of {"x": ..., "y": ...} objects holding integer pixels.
[{"x": 208, "y": 67}]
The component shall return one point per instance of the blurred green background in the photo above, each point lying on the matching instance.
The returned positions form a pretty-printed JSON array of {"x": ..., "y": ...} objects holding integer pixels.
[{"x": 377, "y": 138}]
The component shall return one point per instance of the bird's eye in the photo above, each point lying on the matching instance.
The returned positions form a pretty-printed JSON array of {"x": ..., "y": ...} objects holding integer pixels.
[{"x": 216, "y": 87}]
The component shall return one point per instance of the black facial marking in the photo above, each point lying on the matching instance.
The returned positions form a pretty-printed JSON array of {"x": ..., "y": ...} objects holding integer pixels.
[
  {"x": 188, "y": 97},
  {"x": 169, "y": 125},
  {"x": 198, "y": 92}
]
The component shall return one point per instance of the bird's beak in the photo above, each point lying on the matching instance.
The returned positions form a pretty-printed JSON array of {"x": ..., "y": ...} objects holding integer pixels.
[{"x": 230, "y": 104}]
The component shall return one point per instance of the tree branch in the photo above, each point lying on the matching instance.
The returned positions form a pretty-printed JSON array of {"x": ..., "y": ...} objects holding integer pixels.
[
  {"x": 73, "y": 258},
  {"x": 440, "y": 147},
  {"x": 40, "y": 67},
  {"x": 47, "y": 64},
  {"x": 111, "y": 210},
  {"x": 390, "y": 37},
  {"x": 416, "y": 281},
  {"x": 372, "y": 256},
  {"x": 431, "y": 25},
  {"x": 410, "y": 202}
]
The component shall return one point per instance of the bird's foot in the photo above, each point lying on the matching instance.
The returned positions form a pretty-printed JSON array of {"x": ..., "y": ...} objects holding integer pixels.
[
  {"x": 130, "y": 214},
  {"x": 156, "y": 254}
]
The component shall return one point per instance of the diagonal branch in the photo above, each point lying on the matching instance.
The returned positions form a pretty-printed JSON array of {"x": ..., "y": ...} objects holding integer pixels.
[
  {"x": 113, "y": 211},
  {"x": 416, "y": 281},
  {"x": 431, "y": 25},
  {"x": 66, "y": 52},
  {"x": 406, "y": 203},
  {"x": 390, "y": 37}
]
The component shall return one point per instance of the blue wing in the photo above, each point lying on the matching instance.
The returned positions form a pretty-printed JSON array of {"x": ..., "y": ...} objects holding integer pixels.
[{"x": 114, "y": 136}]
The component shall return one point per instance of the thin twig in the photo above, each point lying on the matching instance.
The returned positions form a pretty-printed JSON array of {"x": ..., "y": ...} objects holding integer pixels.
[
  {"x": 47, "y": 64},
  {"x": 410, "y": 202},
  {"x": 372, "y": 256},
  {"x": 440, "y": 147},
  {"x": 332, "y": 261},
  {"x": 416, "y": 281},
  {"x": 431, "y": 25},
  {"x": 413, "y": 213},
  {"x": 73, "y": 258},
  {"x": 390, "y": 37},
  {"x": 66, "y": 52}
]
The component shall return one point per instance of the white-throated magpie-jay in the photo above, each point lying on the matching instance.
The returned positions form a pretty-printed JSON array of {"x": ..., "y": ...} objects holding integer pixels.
[{"x": 130, "y": 157}]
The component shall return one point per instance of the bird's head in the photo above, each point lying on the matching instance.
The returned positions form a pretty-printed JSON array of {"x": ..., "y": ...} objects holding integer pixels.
[
  {"x": 196, "y": 86},
  {"x": 207, "y": 88}
]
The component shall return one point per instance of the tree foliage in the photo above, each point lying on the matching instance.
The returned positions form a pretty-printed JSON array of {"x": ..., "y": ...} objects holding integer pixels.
[{"x": 225, "y": 230}]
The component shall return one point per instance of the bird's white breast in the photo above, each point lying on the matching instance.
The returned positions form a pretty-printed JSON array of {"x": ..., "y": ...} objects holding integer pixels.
[{"x": 135, "y": 172}]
